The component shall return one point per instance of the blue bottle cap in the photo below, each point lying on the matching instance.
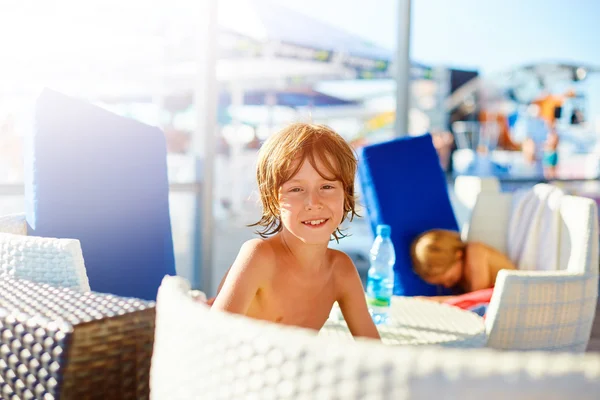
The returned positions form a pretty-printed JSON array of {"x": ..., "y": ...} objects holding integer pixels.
[{"x": 384, "y": 230}]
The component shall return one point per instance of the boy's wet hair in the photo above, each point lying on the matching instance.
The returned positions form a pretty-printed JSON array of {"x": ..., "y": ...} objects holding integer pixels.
[
  {"x": 282, "y": 155},
  {"x": 434, "y": 252}
]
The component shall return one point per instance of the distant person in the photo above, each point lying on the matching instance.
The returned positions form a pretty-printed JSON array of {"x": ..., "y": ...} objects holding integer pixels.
[
  {"x": 532, "y": 131},
  {"x": 443, "y": 141},
  {"x": 577, "y": 117},
  {"x": 550, "y": 155}
]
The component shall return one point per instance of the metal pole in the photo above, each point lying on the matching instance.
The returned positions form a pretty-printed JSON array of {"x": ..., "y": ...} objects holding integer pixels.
[
  {"x": 403, "y": 68},
  {"x": 204, "y": 140}
]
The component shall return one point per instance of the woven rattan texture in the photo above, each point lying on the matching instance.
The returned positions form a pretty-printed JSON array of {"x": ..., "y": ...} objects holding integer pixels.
[{"x": 57, "y": 343}]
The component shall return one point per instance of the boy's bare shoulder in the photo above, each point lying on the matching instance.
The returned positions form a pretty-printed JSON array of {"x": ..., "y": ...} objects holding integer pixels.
[
  {"x": 257, "y": 254},
  {"x": 258, "y": 246},
  {"x": 342, "y": 263}
]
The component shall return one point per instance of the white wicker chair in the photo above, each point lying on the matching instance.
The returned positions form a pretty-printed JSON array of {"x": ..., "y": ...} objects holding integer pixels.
[
  {"x": 463, "y": 196},
  {"x": 541, "y": 310},
  {"x": 200, "y": 354},
  {"x": 57, "y": 262},
  {"x": 467, "y": 188}
]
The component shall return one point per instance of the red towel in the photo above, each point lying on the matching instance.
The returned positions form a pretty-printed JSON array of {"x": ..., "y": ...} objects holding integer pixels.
[{"x": 476, "y": 301}]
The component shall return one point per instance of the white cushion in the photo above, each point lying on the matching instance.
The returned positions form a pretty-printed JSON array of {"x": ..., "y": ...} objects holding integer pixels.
[{"x": 57, "y": 262}]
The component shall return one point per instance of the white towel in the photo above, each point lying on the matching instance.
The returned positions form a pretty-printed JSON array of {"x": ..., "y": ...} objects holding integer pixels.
[{"x": 533, "y": 230}]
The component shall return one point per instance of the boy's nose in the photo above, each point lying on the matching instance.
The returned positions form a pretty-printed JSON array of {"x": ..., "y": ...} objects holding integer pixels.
[
  {"x": 313, "y": 202},
  {"x": 313, "y": 206}
]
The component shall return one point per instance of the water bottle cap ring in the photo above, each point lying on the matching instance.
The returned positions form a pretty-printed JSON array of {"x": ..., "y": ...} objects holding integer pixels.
[{"x": 384, "y": 230}]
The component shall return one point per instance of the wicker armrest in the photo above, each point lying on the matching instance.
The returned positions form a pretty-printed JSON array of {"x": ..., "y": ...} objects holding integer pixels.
[
  {"x": 542, "y": 310},
  {"x": 60, "y": 343}
]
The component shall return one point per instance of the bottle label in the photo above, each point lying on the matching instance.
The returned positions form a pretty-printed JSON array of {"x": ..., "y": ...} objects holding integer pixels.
[{"x": 379, "y": 301}]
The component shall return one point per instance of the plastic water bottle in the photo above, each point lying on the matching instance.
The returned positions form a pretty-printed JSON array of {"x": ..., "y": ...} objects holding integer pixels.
[{"x": 380, "y": 279}]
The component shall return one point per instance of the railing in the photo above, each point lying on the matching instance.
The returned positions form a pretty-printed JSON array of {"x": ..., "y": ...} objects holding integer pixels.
[
  {"x": 18, "y": 189},
  {"x": 12, "y": 189}
]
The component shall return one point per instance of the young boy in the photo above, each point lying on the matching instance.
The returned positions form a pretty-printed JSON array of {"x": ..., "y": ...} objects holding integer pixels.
[{"x": 305, "y": 178}]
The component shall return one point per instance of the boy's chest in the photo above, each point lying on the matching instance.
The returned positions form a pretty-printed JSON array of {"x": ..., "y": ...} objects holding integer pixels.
[{"x": 296, "y": 303}]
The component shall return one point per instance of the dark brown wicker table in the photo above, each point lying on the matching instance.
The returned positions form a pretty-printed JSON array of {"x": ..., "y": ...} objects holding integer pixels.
[{"x": 58, "y": 343}]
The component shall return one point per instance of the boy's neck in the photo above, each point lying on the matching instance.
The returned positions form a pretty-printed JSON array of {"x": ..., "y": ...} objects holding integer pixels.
[{"x": 306, "y": 256}]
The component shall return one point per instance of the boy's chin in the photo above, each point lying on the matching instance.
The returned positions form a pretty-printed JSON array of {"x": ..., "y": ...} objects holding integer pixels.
[
  {"x": 314, "y": 242},
  {"x": 321, "y": 238}
]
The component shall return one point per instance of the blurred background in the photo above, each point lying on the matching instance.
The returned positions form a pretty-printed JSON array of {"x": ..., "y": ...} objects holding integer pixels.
[{"x": 498, "y": 84}]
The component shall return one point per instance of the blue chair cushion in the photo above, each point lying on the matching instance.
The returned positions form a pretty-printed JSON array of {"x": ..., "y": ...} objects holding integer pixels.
[
  {"x": 101, "y": 178},
  {"x": 404, "y": 186}
]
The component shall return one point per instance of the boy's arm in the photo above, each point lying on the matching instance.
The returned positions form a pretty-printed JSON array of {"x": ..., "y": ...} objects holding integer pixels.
[
  {"x": 244, "y": 278},
  {"x": 351, "y": 298},
  {"x": 212, "y": 299}
]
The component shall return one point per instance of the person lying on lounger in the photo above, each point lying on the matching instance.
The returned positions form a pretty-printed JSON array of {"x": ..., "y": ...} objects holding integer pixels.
[{"x": 440, "y": 257}]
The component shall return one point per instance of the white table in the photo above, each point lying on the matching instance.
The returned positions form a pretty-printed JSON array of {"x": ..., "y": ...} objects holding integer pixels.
[{"x": 418, "y": 322}]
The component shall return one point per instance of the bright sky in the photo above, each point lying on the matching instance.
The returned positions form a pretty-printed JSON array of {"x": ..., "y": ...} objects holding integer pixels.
[{"x": 491, "y": 35}]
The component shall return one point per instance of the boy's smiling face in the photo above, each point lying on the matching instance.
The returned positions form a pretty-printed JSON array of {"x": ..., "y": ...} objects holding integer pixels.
[{"x": 311, "y": 206}]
